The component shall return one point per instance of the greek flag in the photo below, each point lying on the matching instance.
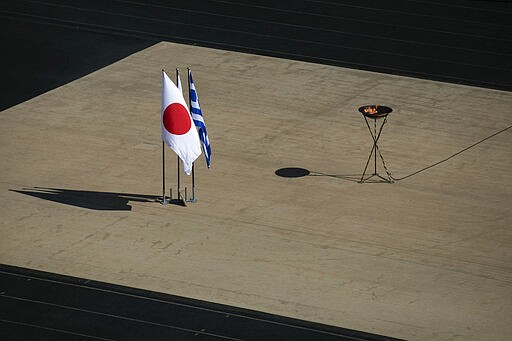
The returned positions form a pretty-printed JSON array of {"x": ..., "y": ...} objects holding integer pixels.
[{"x": 197, "y": 116}]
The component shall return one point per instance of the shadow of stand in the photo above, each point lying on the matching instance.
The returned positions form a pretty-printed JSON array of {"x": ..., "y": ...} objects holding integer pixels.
[
  {"x": 348, "y": 177},
  {"x": 93, "y": 200},
  {"x": 295, "y": 172}
]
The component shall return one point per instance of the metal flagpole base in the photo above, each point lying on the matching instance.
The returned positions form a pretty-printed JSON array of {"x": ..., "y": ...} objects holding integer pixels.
[
  {"x": 180, "y": 201},
  {"x": 193, "y": 199}
]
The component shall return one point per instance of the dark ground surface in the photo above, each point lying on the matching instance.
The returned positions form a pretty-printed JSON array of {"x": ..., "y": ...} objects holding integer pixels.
[
  {"x": 49, "y": 43},
  {"x": 46, "y": 44},
  {"x": 43, "y": 306}
]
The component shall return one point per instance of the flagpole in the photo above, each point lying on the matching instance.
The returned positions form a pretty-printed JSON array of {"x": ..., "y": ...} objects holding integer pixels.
[
  {"x": 178, "y": 158},
  {"x": 193, "y": 199},
  {"x": 163, "y": 169},
  {"x": 164, "y": 201},
  {"x": 178, "y": 162}
]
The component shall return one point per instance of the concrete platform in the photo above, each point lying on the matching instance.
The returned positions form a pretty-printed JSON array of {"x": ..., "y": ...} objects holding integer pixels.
[{"x": 427, "y": 257}]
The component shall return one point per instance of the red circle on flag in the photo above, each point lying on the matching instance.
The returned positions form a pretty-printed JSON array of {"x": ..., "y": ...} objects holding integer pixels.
[{"x": 176, "y": 119}]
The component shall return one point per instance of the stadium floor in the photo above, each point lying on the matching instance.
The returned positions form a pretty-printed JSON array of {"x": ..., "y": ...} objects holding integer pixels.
[{"x": 47, "y": 306}]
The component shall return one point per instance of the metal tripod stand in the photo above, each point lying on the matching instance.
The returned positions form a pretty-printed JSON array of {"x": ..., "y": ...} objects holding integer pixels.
[{"x": 377, "y": 112}]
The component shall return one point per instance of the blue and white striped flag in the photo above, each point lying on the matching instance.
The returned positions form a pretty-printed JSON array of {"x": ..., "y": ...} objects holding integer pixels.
[{"x": 197, "y": 116}]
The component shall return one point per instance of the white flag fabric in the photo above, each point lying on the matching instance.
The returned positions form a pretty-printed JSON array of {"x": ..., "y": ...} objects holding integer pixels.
[
  {"x": 179, "y": 81},
  {"x": 178, "y": 129}
]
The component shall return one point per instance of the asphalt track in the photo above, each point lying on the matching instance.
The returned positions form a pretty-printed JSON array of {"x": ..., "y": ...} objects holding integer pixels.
[
  {"x": 47, "y": 44},
  {"x": 51, "y": 42},
  {"x": 43, "y": 306}
]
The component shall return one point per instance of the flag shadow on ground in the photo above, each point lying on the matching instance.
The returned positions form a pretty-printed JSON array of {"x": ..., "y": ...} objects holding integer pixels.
[{"x": 93, "y": 200}]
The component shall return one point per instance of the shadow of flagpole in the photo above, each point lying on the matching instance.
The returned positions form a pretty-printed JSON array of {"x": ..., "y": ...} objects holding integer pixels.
[{"x": 92, "y": 200}]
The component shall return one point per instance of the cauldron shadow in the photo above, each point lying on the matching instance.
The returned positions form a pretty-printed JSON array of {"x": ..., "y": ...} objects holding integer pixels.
[{"x": 297, "y": 172}]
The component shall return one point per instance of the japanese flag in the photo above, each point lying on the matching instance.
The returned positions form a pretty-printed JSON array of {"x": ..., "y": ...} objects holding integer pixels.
[{"x": 178, "y": 129}]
